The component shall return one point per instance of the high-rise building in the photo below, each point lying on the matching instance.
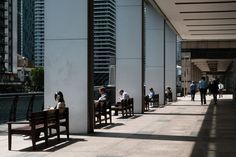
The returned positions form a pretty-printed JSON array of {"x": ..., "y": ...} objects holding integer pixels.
[
  {"x": 28, "y": 29},
  {"x": 8, "y": 37},
  {"x": 2, "y": 37},
  {"x": 39, "y": 33},
  {"x": 104, "y": 39},
  {"x": 31, "y": 30}
]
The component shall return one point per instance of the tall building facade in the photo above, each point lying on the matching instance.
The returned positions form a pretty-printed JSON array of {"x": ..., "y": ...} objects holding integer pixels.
[
  {"x": 104, "y": 39},
  {"x": 2, "y": 37},
  {"x": 8, "y": 37},
  {"x": 28, "y": 29},
  {"x": 31, "y": 30},
  {"x": 39, "y": 33}
]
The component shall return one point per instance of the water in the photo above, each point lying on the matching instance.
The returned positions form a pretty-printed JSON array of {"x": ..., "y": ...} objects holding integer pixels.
[{"x": 6, "y": 105}]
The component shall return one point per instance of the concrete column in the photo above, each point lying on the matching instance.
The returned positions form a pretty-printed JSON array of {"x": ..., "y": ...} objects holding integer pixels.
[
  {"x": 129, "y": 50},
  {"x": 170, "y": 60},
  {"x": 67, "y": 57},
  {"x": 154, "y": 52},
  {"x": 234, "y": 80}
]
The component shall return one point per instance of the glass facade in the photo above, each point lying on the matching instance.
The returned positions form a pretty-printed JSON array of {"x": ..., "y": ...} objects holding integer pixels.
[{"x": 39, "y": 32}]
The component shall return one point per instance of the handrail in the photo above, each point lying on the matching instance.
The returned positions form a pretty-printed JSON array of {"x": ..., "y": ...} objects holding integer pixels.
[
  {"x": 20, "y": 94},
  {"x": 19, "y": 105}
]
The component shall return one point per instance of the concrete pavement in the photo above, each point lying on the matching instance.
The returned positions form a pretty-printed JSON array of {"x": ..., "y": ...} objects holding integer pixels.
[{"x": 180, "y": 129}]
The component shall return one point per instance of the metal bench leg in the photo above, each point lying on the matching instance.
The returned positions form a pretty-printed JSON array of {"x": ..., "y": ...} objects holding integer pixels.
[{"x": 9, "y": 136}]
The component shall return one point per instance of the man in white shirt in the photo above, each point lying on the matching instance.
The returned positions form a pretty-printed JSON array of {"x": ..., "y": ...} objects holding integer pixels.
[
  {"x": 221, "y": 87},
  {"x": 103, "y": 94},
  {"x": 151, "y": 93},
  {"x": 124, "y": 95}
]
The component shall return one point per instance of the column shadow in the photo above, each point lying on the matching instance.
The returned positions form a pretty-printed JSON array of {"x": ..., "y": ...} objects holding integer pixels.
[{"x": 217, "y": 136}]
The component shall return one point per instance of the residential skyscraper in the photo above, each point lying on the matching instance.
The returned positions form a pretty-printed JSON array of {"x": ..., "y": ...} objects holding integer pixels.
[
  {"x": 2, "y": 37},
  {"x": 104, "y": 39},
  {"x": 39, "y": 33},
  {"x": 31, "y": 30},
  {"x": 8, "y": 37}
]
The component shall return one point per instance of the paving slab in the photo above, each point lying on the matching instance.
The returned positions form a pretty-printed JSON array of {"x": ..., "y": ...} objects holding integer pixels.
[{"x": 180, "y": 129}]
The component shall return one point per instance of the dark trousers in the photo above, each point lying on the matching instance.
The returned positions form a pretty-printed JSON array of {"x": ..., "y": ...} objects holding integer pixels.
[
  {"x": 192, "y": 95},
  {"x": 203, "y": 95},
  {"x": 215, "y": 97}
]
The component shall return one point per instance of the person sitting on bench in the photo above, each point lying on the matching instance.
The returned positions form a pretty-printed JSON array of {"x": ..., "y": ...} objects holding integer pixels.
[{"x": 123, "y": 96}]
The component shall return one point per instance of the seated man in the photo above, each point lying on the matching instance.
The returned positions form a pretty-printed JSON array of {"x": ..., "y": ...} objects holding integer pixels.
[
  {"x": 103, "y": 94},
  {"x": 123, "y": 96},
  {"x": 151, "y": 95}
]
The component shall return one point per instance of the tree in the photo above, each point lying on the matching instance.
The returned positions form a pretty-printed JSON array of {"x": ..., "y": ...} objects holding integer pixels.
[{"x": 37, "y": 79}]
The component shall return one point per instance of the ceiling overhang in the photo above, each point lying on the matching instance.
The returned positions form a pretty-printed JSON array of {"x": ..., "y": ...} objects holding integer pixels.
[
  {"x": 201, "y": 19},
  {"x": 212, "y": 65}
]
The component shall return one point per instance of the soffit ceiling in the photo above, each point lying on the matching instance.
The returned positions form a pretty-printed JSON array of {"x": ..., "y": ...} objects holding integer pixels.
[
  {"x": 212, "y": 65},
  {"x": 201, "y": 19}
]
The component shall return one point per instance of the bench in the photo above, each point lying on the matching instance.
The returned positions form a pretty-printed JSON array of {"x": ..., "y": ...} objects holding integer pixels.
[
  {"x": 40, "y": 122},
  {"x": 125, "y": 106},
  {"x": 102, "y": 112},
  {"x": 146, "y": 103},
  {"x": 154, "y": 101},
  {"x": 63, "y": 121}
]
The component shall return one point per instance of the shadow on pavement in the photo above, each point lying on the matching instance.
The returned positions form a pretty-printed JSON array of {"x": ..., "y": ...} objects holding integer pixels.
[
  {"x": 217, "y": 136},
  {"x": 53, "y": 145}
]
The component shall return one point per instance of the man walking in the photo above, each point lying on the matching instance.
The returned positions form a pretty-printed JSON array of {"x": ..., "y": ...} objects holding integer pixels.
[
  {"x": 203, "y": 89},
  {"x": 193, "y": 90}
]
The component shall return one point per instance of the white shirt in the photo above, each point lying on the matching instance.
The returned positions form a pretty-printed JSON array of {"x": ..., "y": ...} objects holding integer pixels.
[
  {"x": 220, "y": 86},
  {"x": 103, "y": 97},
  {"x": 151, "y": 94},
  {"x": 124, "y": 96}
]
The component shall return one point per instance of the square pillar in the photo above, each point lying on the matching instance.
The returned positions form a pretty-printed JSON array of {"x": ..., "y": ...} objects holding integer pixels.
[
  {"x": 170, "y": 60},
  {"x": 67, "y": 58},
  {"x": 129, "y": 50},
  {"x": 154, "y": 52}
]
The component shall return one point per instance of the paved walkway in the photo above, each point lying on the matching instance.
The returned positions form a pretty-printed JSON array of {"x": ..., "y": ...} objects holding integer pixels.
[{"x": 180, "y": 129}]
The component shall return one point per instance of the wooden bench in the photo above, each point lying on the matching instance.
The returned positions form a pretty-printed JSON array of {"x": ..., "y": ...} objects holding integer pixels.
[
  {"x": 40, "y": 122},
  {"x": 155, "y": 100},
  {"x": 63, "y": 121},
  {"x": 102, "y": 112},
  {"x": 125, "y": 106},
  {"x": 146, "y": 103}
]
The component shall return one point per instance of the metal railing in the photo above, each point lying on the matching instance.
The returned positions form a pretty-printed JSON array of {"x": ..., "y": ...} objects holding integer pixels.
[{"x": 19, "y": 106}]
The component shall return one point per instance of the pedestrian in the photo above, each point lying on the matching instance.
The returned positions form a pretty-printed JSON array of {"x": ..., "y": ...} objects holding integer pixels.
[
  {"x": 221, "y": 87},
  {"x": 193, "y": 90},
  {"x": 203, "y": 89},
  {"x": 215, "y": 90}
]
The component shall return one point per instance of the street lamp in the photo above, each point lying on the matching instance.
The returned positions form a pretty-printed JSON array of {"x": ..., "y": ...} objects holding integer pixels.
[{"x": 23, "y": 68}]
